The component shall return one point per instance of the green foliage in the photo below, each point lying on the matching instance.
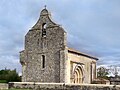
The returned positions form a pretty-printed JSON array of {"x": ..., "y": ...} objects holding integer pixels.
[
  {"x": 19, "y": 89},
  {"x": 102, "y": 72},
  {"x": 8, "y": 75},
  {"x": 3, "y": 81}
]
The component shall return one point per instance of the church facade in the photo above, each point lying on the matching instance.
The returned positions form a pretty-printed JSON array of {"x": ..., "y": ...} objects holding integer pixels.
[{"x": 46, "y": 57}]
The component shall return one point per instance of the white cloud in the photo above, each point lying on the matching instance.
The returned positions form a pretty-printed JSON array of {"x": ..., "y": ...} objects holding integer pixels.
[{"x": 92, "y": 26}]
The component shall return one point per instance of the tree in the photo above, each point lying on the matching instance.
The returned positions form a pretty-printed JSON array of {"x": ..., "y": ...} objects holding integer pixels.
[
  {"x": 8, "y": 75},
  {"x": 102, "y": 72},
  {"x": 114, "y": 70}
]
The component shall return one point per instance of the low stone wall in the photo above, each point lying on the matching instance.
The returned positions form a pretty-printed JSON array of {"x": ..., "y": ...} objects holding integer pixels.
[
  {"x": 62, "y": 86},
  {"x": 3, "y": 86}
]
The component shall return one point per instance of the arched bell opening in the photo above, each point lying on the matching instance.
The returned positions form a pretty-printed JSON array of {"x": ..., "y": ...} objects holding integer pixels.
[{"x": 44, "y": 25}]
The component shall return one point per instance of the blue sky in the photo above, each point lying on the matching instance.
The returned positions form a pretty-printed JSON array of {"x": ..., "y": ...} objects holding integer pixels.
[{"x": 93, "y": 27}]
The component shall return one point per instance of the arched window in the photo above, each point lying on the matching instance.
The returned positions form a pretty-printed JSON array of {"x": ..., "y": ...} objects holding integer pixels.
[
  {"x": 43, "y": 61},
  {"x": 44, "y": 29},
  {"x": 38, "y": 41}
]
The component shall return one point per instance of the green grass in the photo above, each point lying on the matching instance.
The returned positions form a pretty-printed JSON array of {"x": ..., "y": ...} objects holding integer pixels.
[
  {"x": 3, "y": 81},
  {"x": 18, "y": 89}
]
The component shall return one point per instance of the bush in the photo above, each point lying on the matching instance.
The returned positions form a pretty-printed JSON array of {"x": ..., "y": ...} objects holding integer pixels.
[{"x": 8, "y": 75}]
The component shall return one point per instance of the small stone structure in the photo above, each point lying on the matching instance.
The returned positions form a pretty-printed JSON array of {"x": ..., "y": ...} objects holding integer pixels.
[
  {"x": 115, "y": 80},
  {"x": 3, "y": 86},
  {"x": 47, "y": 58},
  {"x": 62, "y": 86},
  {"x": 101, "y": 81}
]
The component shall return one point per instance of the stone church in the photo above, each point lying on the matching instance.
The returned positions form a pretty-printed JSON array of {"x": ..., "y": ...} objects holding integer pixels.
[{"x": 47, "y": 58}]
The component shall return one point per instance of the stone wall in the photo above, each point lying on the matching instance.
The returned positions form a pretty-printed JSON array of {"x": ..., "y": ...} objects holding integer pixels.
[
  {"x": 88, "y": 67},
  {"x": 43, "y": 59},
  {"x": 62, "y": 86},
  {"x": 3, "y": 86}
]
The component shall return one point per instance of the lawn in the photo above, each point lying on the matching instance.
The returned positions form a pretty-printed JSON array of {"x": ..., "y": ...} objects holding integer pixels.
[
  {"x": 3, "y": 81},
  {"x": 18, "y": 89}
]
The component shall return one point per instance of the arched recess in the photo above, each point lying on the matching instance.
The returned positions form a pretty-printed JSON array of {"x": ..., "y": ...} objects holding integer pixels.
[
  {"x": 44, "y": 25},
  {"x": 78, "y": 74}
]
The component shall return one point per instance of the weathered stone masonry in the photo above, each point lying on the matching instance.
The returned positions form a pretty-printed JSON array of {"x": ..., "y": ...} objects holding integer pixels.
[
  {"x": 50, "y": 45},
  {"x": 47, "y": 58},
  {"x": 62, "y": 86}
]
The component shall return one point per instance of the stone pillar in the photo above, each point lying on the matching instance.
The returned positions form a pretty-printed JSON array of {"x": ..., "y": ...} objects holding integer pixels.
[{"x": 62, "y": 65}]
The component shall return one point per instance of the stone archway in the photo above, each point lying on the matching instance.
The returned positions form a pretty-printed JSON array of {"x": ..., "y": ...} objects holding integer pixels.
[{"x": 78, "y": 74}]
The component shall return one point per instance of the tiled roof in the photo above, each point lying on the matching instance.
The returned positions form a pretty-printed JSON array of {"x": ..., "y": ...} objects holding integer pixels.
[{"x": 80, "y": 53}]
